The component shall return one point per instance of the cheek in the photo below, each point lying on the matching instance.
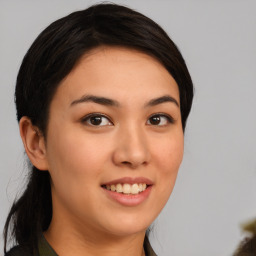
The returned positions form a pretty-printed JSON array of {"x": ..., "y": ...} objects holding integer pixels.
[
  {"x": 73, "y": 156},
  {"x": 169, "y": 152},
  {"x": 172, "y": 157},
  {"x": 75, "y": 164},
  {"x": 169, "y": 155}
]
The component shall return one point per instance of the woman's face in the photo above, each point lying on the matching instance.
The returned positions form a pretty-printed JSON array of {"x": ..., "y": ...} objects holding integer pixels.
[{"x": 114, "y": 123}]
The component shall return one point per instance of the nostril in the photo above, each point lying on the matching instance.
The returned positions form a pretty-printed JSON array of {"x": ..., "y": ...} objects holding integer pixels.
[
  {"x": 126, "y": 163},
  {"x": 133, "y": 164}
]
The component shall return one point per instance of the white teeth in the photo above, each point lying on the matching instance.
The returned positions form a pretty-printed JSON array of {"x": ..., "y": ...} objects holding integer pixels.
[
  {"x": 119, "y": 188},
  {"x": 127, "y": 188},
  {"x": 135, "y": 189}
]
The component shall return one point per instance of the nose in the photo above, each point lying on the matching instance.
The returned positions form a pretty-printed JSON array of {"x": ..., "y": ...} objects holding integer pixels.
[{"x": 131, "y": 148}]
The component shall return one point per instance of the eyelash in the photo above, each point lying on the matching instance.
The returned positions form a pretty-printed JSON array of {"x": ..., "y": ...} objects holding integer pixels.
[{"x": 86, "y": 119}]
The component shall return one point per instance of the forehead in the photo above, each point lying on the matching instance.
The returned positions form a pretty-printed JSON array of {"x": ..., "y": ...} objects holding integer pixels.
[{"x": 120, "y": 72}]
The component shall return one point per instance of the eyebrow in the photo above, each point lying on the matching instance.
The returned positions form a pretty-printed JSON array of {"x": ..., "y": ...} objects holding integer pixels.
[
  {"x": 110, "y": 102},
  {"x": 96, "y": 99},
  {"x": 160, "y": 100}
]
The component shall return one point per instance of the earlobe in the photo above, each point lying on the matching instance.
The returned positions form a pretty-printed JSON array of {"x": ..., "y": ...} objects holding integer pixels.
[{"x": 34, "y": 143}]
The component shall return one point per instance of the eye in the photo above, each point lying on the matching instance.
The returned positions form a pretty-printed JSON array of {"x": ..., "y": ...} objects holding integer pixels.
[
  {"x": 96, "y": 120},
  {"x": 160, "y": 120}
]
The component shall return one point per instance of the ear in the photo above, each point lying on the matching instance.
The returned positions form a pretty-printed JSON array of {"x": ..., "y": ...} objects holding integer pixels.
[{"x": 34, "y": 143}]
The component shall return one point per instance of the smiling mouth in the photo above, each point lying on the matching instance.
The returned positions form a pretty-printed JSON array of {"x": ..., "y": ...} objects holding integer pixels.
[{"x": 127, "y": 189}]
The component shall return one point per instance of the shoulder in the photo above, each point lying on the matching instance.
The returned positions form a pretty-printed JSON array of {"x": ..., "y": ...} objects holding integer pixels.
[{"x": 19, "y": 251}]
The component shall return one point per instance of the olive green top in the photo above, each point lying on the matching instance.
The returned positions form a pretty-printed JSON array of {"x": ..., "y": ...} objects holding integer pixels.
[{"x": 44, "y": 248}]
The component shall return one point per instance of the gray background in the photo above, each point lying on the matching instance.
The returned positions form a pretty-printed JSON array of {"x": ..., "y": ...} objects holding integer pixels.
[{"x": 216, "y": 186}]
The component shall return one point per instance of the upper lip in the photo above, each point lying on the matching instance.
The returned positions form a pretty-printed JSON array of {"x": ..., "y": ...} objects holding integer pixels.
[{"x": 129, "y": 180}]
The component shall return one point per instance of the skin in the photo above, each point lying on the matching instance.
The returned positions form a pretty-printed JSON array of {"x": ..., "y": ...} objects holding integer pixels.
[{"x": 81, "y": 157}]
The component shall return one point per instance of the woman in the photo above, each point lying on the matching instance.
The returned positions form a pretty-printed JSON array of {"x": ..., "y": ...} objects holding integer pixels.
[{"x": 102, "y": 100}]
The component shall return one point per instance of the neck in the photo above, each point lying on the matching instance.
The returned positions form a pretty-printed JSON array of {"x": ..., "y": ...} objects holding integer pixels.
[{"x": 66, "y": 240}]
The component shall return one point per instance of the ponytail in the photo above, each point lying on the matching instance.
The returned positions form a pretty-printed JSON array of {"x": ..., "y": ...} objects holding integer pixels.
[{"x": 31, "y": 214}]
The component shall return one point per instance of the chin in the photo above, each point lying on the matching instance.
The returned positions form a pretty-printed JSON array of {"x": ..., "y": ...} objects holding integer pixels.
[{"x": 128, "y": 224}]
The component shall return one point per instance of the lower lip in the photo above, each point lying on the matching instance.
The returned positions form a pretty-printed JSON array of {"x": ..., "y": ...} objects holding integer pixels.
[{"x": 129, "y": 200}]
